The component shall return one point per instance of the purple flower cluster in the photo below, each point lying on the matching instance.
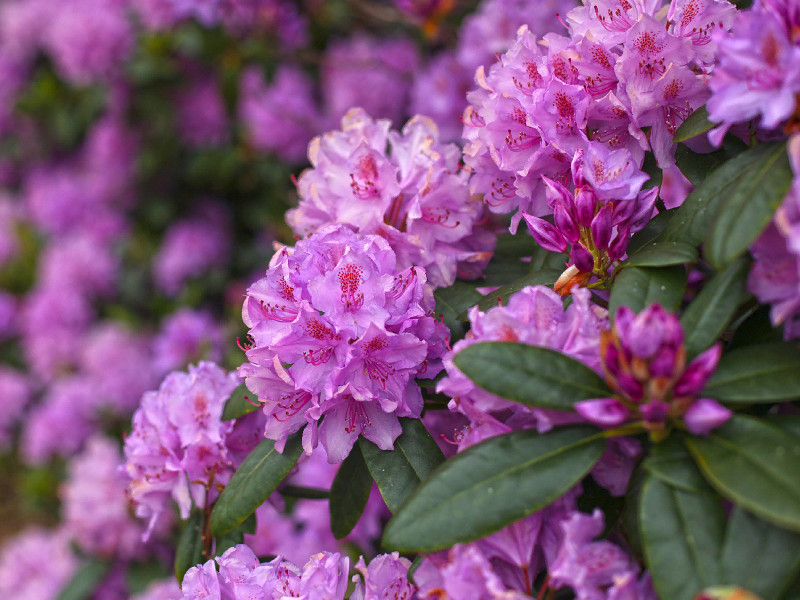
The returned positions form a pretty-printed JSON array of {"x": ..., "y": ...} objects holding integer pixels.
[
  {"x": 644, "y": 362},
  {"x": 242, "y": 577},
  {"x": 36, "y": 564},
  {"x": 415, "y": 196},
  {"x": 179, "y": 446},
  {"x": 339, "y": 331}
]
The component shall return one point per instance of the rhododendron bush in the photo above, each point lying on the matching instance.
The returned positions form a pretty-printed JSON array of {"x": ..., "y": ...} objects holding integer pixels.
[{"x": 387, "y": 300}]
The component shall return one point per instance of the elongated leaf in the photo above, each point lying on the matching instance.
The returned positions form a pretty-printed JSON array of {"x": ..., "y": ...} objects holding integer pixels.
[
  {"x": 758, "y": 556},
  {"x": 398, "y": 472},
  {"x": 349, "y": 493},
  {"x": 713, "y": 308},
  {"x": 697, "y": 167},
  {"x": 239, "y": 404},
  {"x": 85, "y": 580},
  {"x": 532, "y": 375},
  {"x": 500, "y": 296},
  {"x": 650, "y": 233},
  {"x": 754, "y": 464},
  {"x": 302, "y": 491},
  {"x": 693, "y": 219},
  {"x": 682, "y": 534},
  {"x": 761, "y": 373},
  {"x": 235, "y": 536},
  {"x": 190, "y": 545},
  {"x": 452, "y": 303},
  {"x": 251, "y": 484},
  {"x": 788, "y": 423},
  {"x": 671, "y": 462},
  {"x": 663, "y": 254},
  {"x": 756, "y": 328},
  {"x": 491, "y": 485},
  {"x": 695, "y": 124},
  {"x": 639, "y": 287},
  {"x": 748, "y": 206}
]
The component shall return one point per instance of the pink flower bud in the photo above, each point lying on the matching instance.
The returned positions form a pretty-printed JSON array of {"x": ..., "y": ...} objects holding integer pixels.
[
  {"x": 704, "y": 415},
  {"x": 547, "y": 236},
  {"x": 585, "y": 203},
  {"x": 601, "y": 227},
  {"x": 605, "y": 412},
  {"x": 582, "y": 258}
]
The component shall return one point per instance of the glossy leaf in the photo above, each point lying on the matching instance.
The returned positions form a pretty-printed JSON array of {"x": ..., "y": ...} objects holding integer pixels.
[
  {"x": 235, "y": 536},
  {"x": 452, "y": 303},
  {"x": 663, "y": 254},
  {"x": 491, "y": 485},
  {"x": 639, "y": 287},
  {"x": 758, "y": 556},
  {"x": 760, "y": 373},
  {"x": 257, "y": 477},
  {"x": 697, "y": 167},
  {"x": 710, "y": 312},
  {"x": 546, "y": 277},
  {"x": 85, "y": 580},
  {"x": 748, "y": 206},
  {"x": 190, "y": 545},
  {"x": 398, "y": 472},
  {"x": 239, "y": 404},
  {"x": 756, "y": 328},
  {"x": 695, "y": 124},
  {"x": 682, "y": 536},
  {"x": 755, "y": 464},
  {"x": 531, "y": 375},
  {"x": 671, "y": 462},
  {"x": 349, "y": 493},
  {"x": 650, "y": 232}
]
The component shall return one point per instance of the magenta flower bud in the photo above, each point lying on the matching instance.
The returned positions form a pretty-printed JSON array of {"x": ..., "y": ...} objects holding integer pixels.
[
  {"x": 605, "y": 412},
  {"x": 697, "y": 373},
  {"x": 645, "y": 204},
  {"x": 547, "y": 236},
  {"x": 582, "y": 258},
  {"x": 585, "y": 203},
  {"x": 601, "y": 227},
  {"x": 664, "y": 362},
  {"x": 655, "y": 412},
  {"x": 647, "y": 331},
  {"x": 629, "y": 386},
  {"x": 565, "y": 224},
  {"x": 619, "y": 245},
  {"x": 556, "y": 193},
  {"x": 704, "y": 415},
  {"x": 623, "y": 211}
]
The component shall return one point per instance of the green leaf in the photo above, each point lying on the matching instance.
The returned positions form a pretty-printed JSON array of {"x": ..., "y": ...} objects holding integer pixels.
[
  {"x": 758, "y": 556},
  {"x": 87, "y": 578},
  {"x": 755, "y": 464},
  {"x": 682, "y": 533},
  {"x": 697, "y": 167},
  {"x": 710, "y": 312},
  {"x": 257, "y": 477},
  {"x": 238, "y": 405},
  {"x": 500, "y": 296},
  {"x": 638, "y": 287},
  {"x": 761, "y": 373},
  {"x": 756, "y": 328},
  {"x": 650, "y": 232},
  {"x": 532, "y": 375},
  {"x": 451, "y": 302},
  {"x": 748, "y": 206},
  {"x": 235, "y": 536},
  {"x": 693, "y": 219},
  {"x": 695, "y": 124},
  {"x": 190, "y": 545},
  {"x": 349, "y": 493},
  {"x": 788, "y": 423},
  {"x": 491, "y": 485},
  {"x": 663, "y": 254},
  {"x": 670, "y": 462},
  {"x": 398, "y": 472},
  {"x": 305, "y": 492}
]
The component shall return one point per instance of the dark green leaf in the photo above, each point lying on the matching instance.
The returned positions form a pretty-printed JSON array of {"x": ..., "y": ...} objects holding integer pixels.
[
  {"x": 639, "y": 287},
  {"x": 693, "y": 219},
  {"x": 139, "y": 575},
  {"x": 398, "y": 472},
  {"x": 235, "y": 536},
  {"x": 663, "y": 254},
  {"x": 788, "y": 423},
  {"x": 349, "y": 493},
  {"x": 650, "y": 232},
  {"x": 239, "y": 404},
  {"x": 532, "y": 375},
  {"x": 451, "y": 302},
  {"x": 650, "y": 166},
  {"x": 695, "y": 124},
  {"x": 756, "y": 328},
  {"x": 546, "y": 277},
  {"x": 85, "y": 580},
  {"x": 491, "y": 485},
  {"x": 748, "y": 206},
  {"x": 758, "y": 556},
  {"x": 305, "y": 492},
  {"x": 754, "y": 464},
  {"x": 761, "y": 373},
  {"x": 682, "y": 533},
  {"x": 190, "y": 545},
  {"x": 257, "y": 477},
  {"x": 670, "y": 462},
  {"x": 714, "y": 307},
  {"x": 697, "y": 167}
]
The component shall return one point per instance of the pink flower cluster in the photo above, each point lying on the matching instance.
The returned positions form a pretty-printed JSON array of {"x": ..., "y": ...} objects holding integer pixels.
[{"x": 339, "y": 331}]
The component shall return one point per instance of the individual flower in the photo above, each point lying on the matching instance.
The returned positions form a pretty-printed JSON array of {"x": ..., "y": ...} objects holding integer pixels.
[
  {"x": 644, "y": 362},
  {"x": 179, "y": 446},
  {"x": 414, "y": 195},
  {"x": 337, "y": 330},
  {"x": 385, "y": 578}
]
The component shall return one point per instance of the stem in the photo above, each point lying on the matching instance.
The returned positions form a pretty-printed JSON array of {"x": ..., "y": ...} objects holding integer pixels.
[
  {"x": 545, "y": 586},
  {"x": 205, "y": 533}
]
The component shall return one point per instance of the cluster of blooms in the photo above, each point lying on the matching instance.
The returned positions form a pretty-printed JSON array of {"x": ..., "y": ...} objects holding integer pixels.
[
  {"x": 414, "y": 196},
  {"x": 339, "y": 331},
  {"x": 179, "y": 446},
  {"x": 626, "y": 67},
  {"x": 644, "y": 362},
  {"x": 36, "y": 564}
]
